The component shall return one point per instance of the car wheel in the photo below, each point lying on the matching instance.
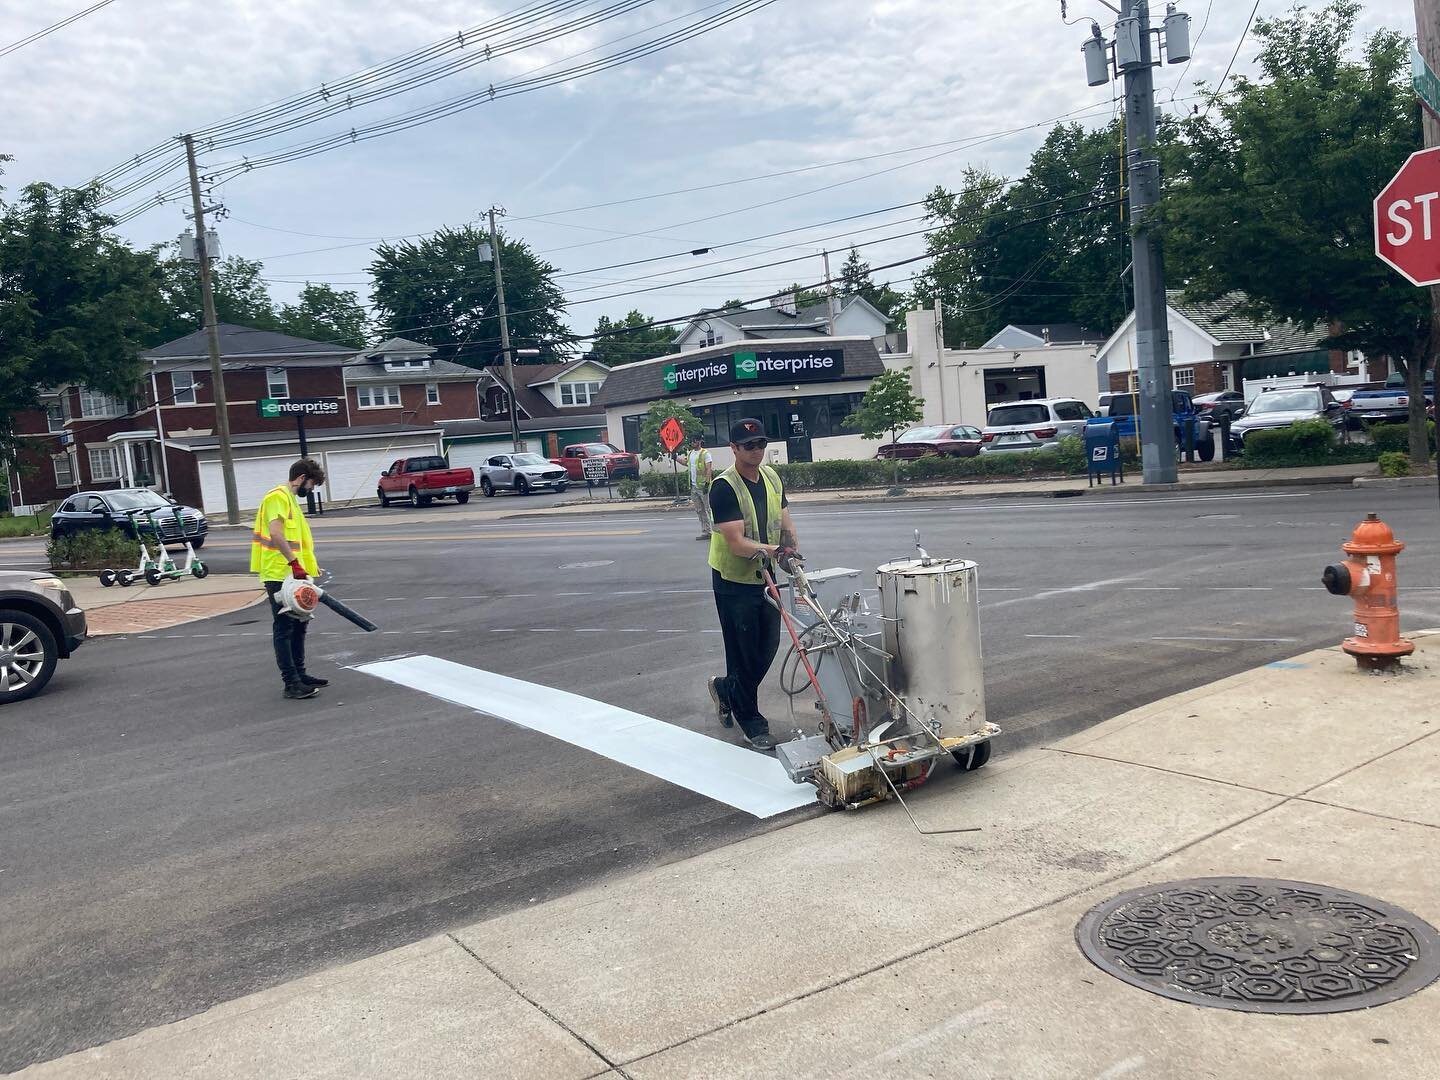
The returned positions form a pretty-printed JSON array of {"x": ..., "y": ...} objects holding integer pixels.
[
  {"x": 972, "y": 757},
  {"x": 1206, "y": 448},
  {"x": 415, "y": 497},
  {"x": 197, "y": 542},
  {"x": 462, "y": 497},
  {"x": 560, "y": 488},
  {"x": 107, "y": 578},
  {"x": 28, "y": 654},
  {"x": 384, "y": 499},
  {"x": 486, "y": 488},
  {"x": 522, "y": 486}
]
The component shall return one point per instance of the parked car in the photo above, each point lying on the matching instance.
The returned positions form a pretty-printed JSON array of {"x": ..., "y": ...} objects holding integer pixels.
[
  {"x": 424, "y": 479},
  {"x": 124, "y": 509},
  {"x": 1281, "y": 408},
  {"x": 1229, "y": 403},
  {"x": 40, "y": 625},
  {"x": 1032, "y": 425},
  {"x": 1391, "y": 403},
  {"x": 1182, "y": 411},
  {"x": 947, "y": 440},
  {"x": 522, "y": 474},
  {"x": 618, "y": 464}
]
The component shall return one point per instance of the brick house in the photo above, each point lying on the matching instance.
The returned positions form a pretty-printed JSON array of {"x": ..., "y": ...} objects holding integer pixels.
[
  {"x": 389, "y": 402},
  {"x": 555, "y": 404}
]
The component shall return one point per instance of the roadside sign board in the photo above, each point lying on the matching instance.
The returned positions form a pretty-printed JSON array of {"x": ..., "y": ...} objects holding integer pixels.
[
  {"x": 1407, "y": 219},
  {"x": 279, "y": 408},
  {"x": 746, "y": 368},
  {"x": 595, "y": 469},
  {"x": 1425, "y": 82},
  {"x": 671, "y": 434}
]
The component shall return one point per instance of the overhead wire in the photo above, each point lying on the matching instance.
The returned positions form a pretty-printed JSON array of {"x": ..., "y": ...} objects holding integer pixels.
[
  {"x": 1220, "y": 86},
  {"x": 52, "y": 28}
]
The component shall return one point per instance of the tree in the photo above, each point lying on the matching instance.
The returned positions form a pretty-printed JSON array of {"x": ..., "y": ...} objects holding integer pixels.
[
  {"x": 627, "y": 340},
  {"x": 437, "y": 291},
  {"x": 76, "y": 303},
  {"x": 957, "y": 272},
  {"x": 651, "y": 449},
  {"x": 1271, "y": 189},
  {"x": 325, "y": 314},
  {"x": 855, "y": 281},
  {"x": 887, "y": 406},
  {"x": 241, "y": 295}
]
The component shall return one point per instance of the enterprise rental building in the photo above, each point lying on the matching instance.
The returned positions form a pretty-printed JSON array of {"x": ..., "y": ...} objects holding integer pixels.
[{"x": 801, "y": 390}]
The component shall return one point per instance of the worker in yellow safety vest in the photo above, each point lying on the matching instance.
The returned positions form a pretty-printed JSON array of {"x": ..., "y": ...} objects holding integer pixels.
[
  {"x": 282, "y": 546},
  {"x": 752, "y": 523}
]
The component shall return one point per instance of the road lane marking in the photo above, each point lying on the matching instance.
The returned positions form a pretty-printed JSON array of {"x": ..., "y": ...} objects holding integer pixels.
[
  {"x": 326, "y": 541},
  {"x": 753, "y": 783},
  {"x": 1246, "y": 640}
]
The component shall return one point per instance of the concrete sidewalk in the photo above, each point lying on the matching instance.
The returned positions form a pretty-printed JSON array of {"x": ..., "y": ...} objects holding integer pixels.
[
  {"x": 850, "y": 945},
  {"x": 142, "y": 608}
]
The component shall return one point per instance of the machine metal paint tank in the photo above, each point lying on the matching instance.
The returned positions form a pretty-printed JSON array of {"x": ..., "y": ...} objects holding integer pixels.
[{"x": 932, "y": 631}]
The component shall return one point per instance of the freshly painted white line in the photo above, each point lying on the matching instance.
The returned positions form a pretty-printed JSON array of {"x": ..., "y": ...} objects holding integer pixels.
[{"x": 753, "y": 783}]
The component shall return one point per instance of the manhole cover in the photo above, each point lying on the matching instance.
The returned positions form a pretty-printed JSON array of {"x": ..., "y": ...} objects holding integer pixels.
[
  {"x": 587, "y": 565},
  {"x": 1261, "y": 945}
]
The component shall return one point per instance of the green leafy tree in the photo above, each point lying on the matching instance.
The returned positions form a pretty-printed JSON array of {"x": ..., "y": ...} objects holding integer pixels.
[
  {"x": 651, "y": 449},
  {"x": 76, "y": 303},
  {"x": 855, "y": 280},
  {"x": 958, "y": 273},
  {"x": 437, "y": 291},
  {"x": 324, "y": 313},
  {"x": 889, "y": 405},
  {"x": 1271, "y": 187},
  {"x": 241, "y": 295},
  {"x": 624, "y": 341}
]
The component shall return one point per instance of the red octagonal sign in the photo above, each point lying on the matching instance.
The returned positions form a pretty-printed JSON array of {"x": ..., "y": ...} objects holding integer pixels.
[{"x": 1407, "y": 219}]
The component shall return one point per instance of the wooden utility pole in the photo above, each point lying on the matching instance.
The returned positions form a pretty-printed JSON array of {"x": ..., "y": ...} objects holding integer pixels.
[
  {"x": 505, "y": 333},
  {"x": 212, "y": 340},
  {"x": 1427, "y": 40}
]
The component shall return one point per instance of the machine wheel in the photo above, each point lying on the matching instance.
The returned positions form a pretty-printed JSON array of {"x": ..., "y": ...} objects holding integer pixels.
[
  {"x": 33, "y": 654},
  {"x": 107, "y": 578},
  {"x": 972, "y": 757},
  {"x": 384, "y": 499},
  {"x": 200, "y": 570},
  {"x": 125, "y": 578},
  {"x": 486, "y": 488},
  {"x": 153, "y": 576},
  {"x": 462, "y": 497},
  {"x": 522, "y": 486}
]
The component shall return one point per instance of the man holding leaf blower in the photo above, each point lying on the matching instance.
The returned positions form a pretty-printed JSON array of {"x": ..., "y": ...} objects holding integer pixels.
[
  {"x": 282, "y": 545},
  {"x": 752, "y": 524}
]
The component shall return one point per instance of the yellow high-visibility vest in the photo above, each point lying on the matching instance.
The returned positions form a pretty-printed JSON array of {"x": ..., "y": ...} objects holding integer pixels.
[
  {"x": 266, "y": 558},
  {"x": 732, "y": 567}
]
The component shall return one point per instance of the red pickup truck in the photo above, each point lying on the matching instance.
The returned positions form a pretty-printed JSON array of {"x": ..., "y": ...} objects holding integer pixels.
[
  {"x": 618, "y": 464},
  {"x": 420, "y": 479}
]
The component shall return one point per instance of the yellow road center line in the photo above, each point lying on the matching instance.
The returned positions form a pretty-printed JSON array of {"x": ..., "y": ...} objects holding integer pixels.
[{"x": 326, "y": 541}]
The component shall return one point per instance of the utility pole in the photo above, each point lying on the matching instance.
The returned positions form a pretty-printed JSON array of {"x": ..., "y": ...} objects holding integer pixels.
[
  {"x": 1427, "y": 41},
  {"x": 829, "y": 291},
  {"x": 504, "y": 330},
  {"x": 212, "y": 340}
]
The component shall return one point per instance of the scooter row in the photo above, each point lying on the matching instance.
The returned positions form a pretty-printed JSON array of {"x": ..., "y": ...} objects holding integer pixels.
[{"x": 161, "y": 566}]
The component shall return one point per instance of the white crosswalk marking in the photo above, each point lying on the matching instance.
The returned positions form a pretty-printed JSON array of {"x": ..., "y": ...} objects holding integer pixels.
[{"x": 751, "y": 782}]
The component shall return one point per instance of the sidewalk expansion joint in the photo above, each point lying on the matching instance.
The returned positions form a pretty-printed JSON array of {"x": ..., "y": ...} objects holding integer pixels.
[
  {"x": 922, "y": 950},
  {"x": 543, "y": 1011}
]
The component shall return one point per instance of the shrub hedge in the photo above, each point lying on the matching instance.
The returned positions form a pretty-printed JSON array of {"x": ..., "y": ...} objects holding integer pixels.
[
  {"x": 1393, "y": 437},
  {"x": 1395, "y": 463},
  {"x": 92, "y": 551}
]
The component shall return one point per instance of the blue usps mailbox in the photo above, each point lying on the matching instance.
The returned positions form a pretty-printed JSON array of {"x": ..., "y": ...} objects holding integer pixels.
[{"x": 1102, "y": 452}]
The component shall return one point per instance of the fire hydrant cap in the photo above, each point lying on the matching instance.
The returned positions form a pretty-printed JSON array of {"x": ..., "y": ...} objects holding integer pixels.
[
  {"x": 1372, "y": 537},
  {"x": 1336, "y": 579}
]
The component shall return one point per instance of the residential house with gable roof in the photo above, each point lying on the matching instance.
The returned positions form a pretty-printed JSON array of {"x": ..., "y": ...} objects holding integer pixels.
[{"x": 782, "y": 320}]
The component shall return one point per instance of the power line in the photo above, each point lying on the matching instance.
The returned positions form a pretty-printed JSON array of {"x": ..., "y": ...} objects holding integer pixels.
[
  {"x": 1220, "y": 86},
  {"x": 47, "y": 31}
]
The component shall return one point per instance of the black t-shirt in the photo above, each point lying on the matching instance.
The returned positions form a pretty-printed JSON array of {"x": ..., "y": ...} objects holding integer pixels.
[{"x": 725, "y": 506}]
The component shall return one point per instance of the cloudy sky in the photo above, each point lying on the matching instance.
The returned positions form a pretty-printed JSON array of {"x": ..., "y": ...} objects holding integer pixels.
[{"x": 794, "y": 87}]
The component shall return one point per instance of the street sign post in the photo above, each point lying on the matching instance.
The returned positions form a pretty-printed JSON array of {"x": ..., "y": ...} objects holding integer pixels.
[
  {"x": 1425, "y": 82},
  {"x": 1407, "y": 219},
  {"x": 275, "y": 408}
]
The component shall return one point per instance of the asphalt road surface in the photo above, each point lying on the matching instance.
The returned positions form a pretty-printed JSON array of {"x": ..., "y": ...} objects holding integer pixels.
[{"x": 174, "y": 834}]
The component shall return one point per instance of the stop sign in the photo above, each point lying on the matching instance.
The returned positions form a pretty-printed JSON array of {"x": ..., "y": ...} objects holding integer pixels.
[{"x": 1407, "y": 219}]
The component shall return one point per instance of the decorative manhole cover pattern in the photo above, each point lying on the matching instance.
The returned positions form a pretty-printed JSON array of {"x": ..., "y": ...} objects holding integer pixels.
[{"x": 1261, "y": 945}]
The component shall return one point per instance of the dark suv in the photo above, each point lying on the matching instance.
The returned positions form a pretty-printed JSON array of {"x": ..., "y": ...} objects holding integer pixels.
[
  {"x": 40, "y": 625},
  {"x": 123, "y": 509}
]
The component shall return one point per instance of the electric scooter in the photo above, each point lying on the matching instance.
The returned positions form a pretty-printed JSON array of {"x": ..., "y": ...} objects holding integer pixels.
[
  {"x": 165, "y": 568},
  {"x": 127, "y": 576}
]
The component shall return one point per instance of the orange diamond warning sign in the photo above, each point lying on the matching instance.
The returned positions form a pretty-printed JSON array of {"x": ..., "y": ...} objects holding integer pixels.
[{"x": 671, "y": 434}]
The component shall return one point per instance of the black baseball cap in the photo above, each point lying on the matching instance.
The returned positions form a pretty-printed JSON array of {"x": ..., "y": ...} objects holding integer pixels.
[{"x": 745, "y": 430}]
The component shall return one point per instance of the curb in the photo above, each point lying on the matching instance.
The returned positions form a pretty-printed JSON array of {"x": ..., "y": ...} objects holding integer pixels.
[{"x": 1389, "y": 483}]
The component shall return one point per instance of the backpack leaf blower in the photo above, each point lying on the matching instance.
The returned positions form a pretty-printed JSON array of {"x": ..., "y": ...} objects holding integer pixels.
[{"x": 300, "y": 597}]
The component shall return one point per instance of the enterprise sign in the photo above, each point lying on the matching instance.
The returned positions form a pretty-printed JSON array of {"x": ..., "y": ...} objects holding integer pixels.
[
  {"x": 754, "y": 367},
  {"x": 274, "y": 408}
]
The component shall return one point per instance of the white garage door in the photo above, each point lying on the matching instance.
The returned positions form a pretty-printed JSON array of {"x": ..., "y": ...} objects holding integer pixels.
[
  {"x": 253, "y": 478},
  {"x": 473, "y": 455},
  {"x": 352, "y": 475}
]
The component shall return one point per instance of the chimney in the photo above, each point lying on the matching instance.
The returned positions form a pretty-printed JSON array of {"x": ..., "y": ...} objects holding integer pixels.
[{"x": 786, "y": 303}]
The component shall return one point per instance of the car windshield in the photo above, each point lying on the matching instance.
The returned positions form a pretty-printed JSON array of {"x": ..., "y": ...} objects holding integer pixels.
[
  {"x": 1122, "y": 405},
  {"x": 1018, "y": 414},
  {"x": 528, "y": 459},
  {"x": 1287, "y": 401},
  {"x": 599, "y": 448},
  {"x": 921, "y": 434},
  {"x": 136, "y": 500}
]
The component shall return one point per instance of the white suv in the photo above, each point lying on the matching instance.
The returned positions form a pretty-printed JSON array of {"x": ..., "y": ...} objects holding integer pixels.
[{"x": 1032, "y": 425}]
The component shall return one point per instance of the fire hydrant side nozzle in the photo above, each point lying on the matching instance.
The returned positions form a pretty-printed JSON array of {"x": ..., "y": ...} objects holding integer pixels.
[{"x": 1368, "y": 575}]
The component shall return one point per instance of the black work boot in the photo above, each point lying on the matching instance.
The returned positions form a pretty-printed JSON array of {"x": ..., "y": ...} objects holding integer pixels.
[
  {"x": 299, "y": 691},
  {"x": 313, "y": 680},
  {"x": 757, "y": 734},
  {"x": 722, "y": 710}
]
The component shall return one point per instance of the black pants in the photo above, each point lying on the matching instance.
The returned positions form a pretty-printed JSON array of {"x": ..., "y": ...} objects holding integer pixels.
[
  {"x": 288, "y": 633},
  {"x": 752, "y": 635}
]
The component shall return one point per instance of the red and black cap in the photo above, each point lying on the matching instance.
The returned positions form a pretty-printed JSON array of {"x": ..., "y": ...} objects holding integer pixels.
[{"x": 745, "y": 430}]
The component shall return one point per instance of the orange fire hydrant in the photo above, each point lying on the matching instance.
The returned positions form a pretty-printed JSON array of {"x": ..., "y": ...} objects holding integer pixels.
[{"x": 1369, "y": 576}]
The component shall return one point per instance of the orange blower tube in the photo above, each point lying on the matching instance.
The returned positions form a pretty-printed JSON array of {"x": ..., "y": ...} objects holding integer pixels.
[{"x": 1368, "y": 575}]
